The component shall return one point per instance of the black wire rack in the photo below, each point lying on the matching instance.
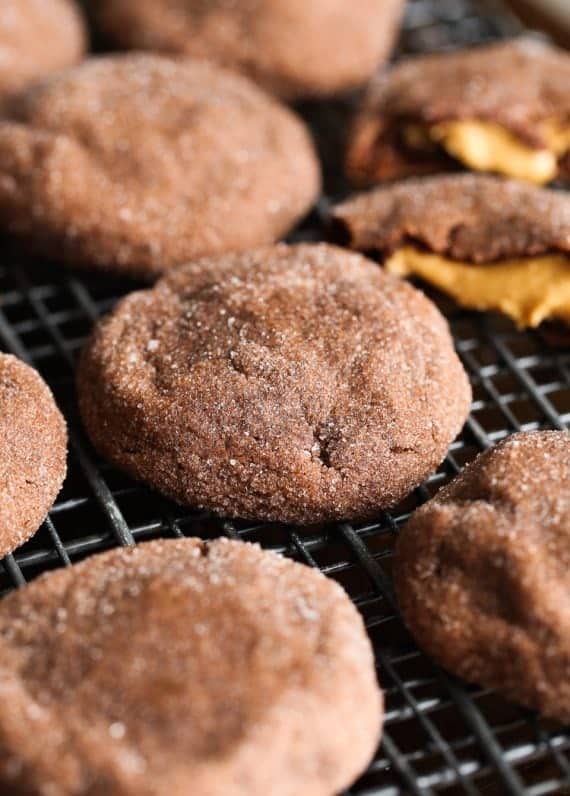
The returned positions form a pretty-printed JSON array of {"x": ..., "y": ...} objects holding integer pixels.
[{"x": 440, "y": 735}]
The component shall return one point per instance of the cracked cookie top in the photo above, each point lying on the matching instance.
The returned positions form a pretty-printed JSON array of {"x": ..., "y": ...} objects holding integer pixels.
[
  {"x": 483, "y": 572},
  {"x": 519, "y": 86},
  {"x": 468, "y": 217},
  {"x": 294, "y": 383}
]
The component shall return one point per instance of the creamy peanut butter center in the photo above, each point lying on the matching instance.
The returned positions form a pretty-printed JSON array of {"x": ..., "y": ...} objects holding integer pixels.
[
  {"x": 485, "y": 146},
  {"x": 529, "y": 290}
]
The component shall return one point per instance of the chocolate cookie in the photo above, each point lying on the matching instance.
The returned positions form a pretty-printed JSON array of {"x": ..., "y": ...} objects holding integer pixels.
[
  {"x": 292, "y": 383},
  {"x": 501, "y": 108},
  {"x": 37, "y": 37},
  {"x": 292, "y": 47},
  {"x": 140, "y": 162},
  {"x": 33, "y": 452},
  {"x": 483, "y": 572},
  {"x": 488, "y": 242},
  {"x": 180, "y": 667}
]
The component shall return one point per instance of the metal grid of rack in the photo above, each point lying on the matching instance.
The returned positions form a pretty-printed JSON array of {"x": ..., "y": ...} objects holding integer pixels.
[{"x": 440, "y": 735}]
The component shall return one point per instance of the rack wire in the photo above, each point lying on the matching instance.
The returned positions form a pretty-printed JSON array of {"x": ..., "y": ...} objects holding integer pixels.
[{"x": 441, "y": 736}]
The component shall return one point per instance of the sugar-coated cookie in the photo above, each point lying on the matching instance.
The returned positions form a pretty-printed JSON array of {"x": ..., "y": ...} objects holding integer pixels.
[
  {"x": 138, "y": 162},
  {"x": 37, "y": 37},
  {"x": 292, "y": 47},
  {"x": 503, "y": 107},
  {"x": 291, "y": 383},
  {"x": 483, "y": 572},
  {"x": 179, "y": 667},
  {"x": 491, "y": 243},
  {"x": 33, "y": 452}
]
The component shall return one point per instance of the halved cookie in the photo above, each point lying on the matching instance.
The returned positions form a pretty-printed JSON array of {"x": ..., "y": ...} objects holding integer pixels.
[
  {"x": 491, "y": 244},
  {"x": 501, "y": 108}
]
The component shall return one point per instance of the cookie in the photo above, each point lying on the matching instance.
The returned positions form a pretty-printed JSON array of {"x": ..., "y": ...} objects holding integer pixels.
[
  {"x": 550, "y": 17},
  {"x": 37, "y": 37},
  {"x": 137, "y": 163},
  {"x": 33, "y": 452},
  {"x": 292, "y": 383},
  {"x": 180, "y": 666},
  {"x": 501, "y": 108},
  {"x": 483, "y": 572},
  {"x": 490, "y": 243},
  {"x": 291, "y": 47}
]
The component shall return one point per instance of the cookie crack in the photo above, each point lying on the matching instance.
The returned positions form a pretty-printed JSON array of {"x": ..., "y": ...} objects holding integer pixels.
[
  {"x": 323, "y": 452},
  {"x": 322, "y": 430},
  {"x": 403, "y": 449},
  {"x": 235, "y": 366}
]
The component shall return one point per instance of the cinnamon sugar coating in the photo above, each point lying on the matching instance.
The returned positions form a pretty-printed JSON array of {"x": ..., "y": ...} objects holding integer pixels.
[
  {"x": 292, "y": 47},
  {"x": 517, "y": 84},
  {"x": 180, "y": 666},
  {"x": 468, "y": 217},
  {"x": 292, "y": 383},
  {"x": 33, "y": 452},
  {"x": 137, "y": 163},
  {"x": 483, "y": 572},
  {"x": 37, "y": 37}
]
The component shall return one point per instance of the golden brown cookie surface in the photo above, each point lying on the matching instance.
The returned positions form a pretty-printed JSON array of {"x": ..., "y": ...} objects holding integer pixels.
[
  {"x": 292, "y": 383},
  {"x": 293, "y": 47},
  {"x": 483, "y": 572},
  {"x": 138, "y": 162},
  {"x": 181, "y": 666},
  {"x": 33, "y": 452}
]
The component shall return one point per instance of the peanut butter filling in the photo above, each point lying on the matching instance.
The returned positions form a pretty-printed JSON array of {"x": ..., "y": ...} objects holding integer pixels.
[
  {"x": 529, "y": 290},
  {"x": 485, "y": 146}
]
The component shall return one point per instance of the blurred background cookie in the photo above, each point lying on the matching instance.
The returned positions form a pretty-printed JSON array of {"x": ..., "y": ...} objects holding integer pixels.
[
  {"x": 490, "y": 243},
  {"x": 297, "y": 384},
  {"x": 33, "y": 452},
  {"x": 37, "y": 37},
  {"x": 483, "y": 572},
  {"x": 179, "y": 667},
  {"x": 501, "y": 108},
  {"x": 138, "y": 162},
  {"x": 553, "y": 16},
  {"x": 292, "y": 47}
]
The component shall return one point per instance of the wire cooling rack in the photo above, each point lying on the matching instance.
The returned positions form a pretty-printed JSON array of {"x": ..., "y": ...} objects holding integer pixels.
[{"x": 440, "y": 735}]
